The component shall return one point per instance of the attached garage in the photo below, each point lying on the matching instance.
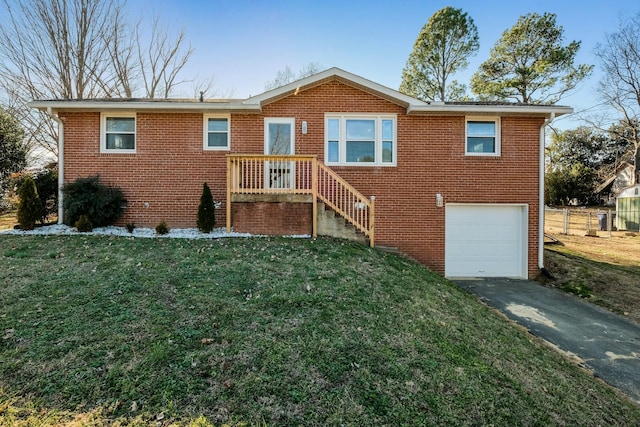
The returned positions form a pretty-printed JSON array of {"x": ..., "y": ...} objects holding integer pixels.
[{"x": 486, "y": 240}]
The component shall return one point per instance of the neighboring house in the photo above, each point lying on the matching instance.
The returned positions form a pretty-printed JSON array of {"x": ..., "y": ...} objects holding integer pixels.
[
  {"x": 621, "y": 179},
  {"x": 628, "y": 209},
  {"x": 457, "y": 186}
]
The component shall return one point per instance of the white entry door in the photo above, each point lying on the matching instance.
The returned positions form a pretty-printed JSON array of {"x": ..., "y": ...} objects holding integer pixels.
[
  {"x": 279, "y": 139},
  {"x": 486, "y": 240}
]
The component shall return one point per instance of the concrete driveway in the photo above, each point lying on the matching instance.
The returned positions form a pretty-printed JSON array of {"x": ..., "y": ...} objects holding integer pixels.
[{"x": 607, "y": 344}]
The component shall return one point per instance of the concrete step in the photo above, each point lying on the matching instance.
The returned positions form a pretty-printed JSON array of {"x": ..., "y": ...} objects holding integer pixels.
[{"x": 333, "y": 225}]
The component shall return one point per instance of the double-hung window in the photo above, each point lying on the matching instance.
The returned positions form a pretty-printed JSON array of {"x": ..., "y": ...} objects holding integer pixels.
[
  {"x": 118, "y": 132},
  {"x": 216, "y": 132},
  {"x": 482, "y": 136},
  {"x": 360, "y": 139}
]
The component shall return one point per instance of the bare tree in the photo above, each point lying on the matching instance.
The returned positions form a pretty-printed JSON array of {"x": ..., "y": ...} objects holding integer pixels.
[
  {"x": 54, "y": 49},
  {"x": 287, "y": 75},
  {"x": 205, "y": 88},
  {"x": 79, "y": 49},
  {"x": 122, "y": 52},
  {"x": 161, "y": 60},
  {"x": 620, "y": 86}
]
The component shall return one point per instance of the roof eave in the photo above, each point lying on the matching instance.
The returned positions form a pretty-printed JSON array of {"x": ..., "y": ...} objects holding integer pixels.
[
  {"x": 71, "y": 105},
  {"x": 545, "y": 110}
]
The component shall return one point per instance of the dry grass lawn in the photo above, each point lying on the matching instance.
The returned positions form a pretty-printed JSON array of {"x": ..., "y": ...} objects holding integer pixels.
[
  {"x": 8, "y": 220},
  {"x": 605, "y": 271}
]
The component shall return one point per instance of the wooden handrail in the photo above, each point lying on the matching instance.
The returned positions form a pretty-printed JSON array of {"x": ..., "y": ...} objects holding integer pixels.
[
  {"x": 343, "y": 198},
  {"x": 299, "y": 174}
]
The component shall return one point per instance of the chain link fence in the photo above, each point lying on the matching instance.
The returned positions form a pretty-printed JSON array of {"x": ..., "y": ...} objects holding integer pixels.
[{"x": 582, "y": 222}]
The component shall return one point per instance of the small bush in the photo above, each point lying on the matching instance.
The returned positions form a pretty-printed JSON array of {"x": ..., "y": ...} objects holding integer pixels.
[
  {"x": 88, "y": 196},
  {"x": 130, "y": 227},
  {"x": 83, "y": 224},
  {"x": 162, "y": 228},
  {"x": 206, "y": 210},
  {"x": 30, "y": 207}
]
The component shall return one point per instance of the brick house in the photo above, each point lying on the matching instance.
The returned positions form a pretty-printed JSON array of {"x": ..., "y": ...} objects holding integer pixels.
[{"x": 458, "y": 186}]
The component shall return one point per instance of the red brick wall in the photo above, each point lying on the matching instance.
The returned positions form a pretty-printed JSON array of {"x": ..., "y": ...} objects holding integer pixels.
[
  {"x": 279, "y": 219},
  {"x": 430, "y": 160},
  {"x": 167, "y": 172},
  {"x": 170, "y": 166}
]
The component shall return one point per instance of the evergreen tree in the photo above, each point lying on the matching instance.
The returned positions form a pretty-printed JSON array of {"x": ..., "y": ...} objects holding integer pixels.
[
  {"x": 206, "y": 210},
  {"x": 442, "y": 48},
  {"x": 13, "y": 151},
  {"x": 529, "y": 63},
  {"x": 30, "y": 206}
]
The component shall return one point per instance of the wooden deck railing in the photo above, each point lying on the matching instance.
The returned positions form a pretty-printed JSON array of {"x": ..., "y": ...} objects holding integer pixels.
[{"x": 297, "y": 174}]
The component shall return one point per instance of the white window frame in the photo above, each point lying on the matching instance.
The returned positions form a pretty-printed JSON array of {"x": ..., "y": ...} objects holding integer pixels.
[
  {"x": 498, "y": 132},
  {"x": 342, "y": 142},
  {"x": 205, "y": 135},
  {"x": 103, "y": 133},
  {"x": 280, "y": 120}
]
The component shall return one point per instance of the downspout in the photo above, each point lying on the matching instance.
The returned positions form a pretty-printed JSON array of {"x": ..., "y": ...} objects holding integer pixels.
[
  {"x": 60, "y": 163},
  {"x": 541, "y": 196}
]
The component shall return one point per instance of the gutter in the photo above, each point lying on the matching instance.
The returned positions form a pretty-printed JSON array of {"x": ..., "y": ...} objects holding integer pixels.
[
  {"x": 146, "y": 105},
  {"x": 60, "y": 162},
  {"x": 552, "y": 116}
]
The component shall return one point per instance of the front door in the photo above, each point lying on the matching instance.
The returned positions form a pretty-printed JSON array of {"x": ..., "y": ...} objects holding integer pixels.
[{"x": 279, "y": 139}]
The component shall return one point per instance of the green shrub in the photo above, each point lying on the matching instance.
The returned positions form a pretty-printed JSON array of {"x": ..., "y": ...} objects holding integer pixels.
[
  {"x": 47, "y": 184},
  {"x": 206, "y": 210},
  {"x": 130, "y": 227},
  {"x": 46, "y": 180},
  {"x": 88, "y": 196},
  {"x": 30, "y": 207},
  {"x": 162, "y": 228},
  {"x": 83, "y": 224}
]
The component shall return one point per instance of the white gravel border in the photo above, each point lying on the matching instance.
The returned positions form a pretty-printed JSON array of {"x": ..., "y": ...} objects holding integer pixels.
[{"x": 176, "y": 233}]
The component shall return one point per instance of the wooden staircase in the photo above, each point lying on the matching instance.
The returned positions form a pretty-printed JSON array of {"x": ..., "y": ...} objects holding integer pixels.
[{"x": 304, "y": 176}]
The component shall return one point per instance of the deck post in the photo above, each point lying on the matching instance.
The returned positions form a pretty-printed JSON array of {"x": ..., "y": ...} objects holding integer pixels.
[
  {"x": 228, "y": 194},
  {"x": 314, "y": 193},
  {"x": 372, "y": 222}
]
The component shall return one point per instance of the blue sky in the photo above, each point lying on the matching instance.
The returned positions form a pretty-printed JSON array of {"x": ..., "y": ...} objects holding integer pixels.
[{"x": 244, "y": 43}]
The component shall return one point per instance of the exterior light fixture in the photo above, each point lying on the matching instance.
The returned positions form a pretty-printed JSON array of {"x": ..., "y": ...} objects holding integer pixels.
[{"x": 439, "y": 201}]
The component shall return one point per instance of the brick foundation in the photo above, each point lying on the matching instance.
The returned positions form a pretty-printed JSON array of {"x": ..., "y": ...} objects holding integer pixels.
[{"x": 274, "y": 219}]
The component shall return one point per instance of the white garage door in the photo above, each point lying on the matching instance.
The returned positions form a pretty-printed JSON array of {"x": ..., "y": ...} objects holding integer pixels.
[{"x": 486, "y": 240}]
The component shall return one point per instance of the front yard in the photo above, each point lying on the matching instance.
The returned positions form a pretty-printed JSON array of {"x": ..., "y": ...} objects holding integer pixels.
[{"x": 264, "y": 331}]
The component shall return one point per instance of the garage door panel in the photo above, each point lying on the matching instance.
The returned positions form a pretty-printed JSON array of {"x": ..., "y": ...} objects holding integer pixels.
[
  {"x": 491, "y": 253},
  {"x": 485, "y": 240},
  {"x": 485, "y": 232},
  {"x": 484, "y": 213},
  {"x": 484, "y": 269}
]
